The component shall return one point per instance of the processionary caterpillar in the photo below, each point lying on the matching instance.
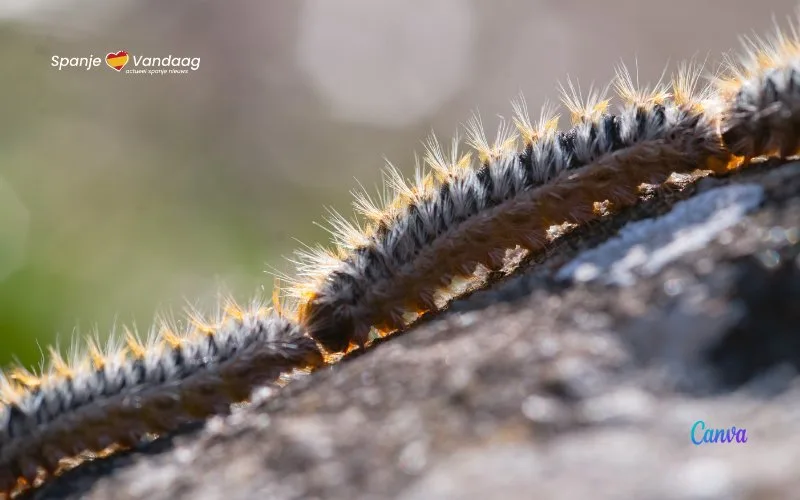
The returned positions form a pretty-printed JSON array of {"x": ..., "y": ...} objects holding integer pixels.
[
  {"x": 119, "y": 395},
  {"x": 455, "y": 217},
  {"x": 760, "y": 97}
]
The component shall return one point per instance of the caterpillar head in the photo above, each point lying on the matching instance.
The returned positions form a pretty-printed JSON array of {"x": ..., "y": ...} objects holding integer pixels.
[{"x": 333, "y": 325}]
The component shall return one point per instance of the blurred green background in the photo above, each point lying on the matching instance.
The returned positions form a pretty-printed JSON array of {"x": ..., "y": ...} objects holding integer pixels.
[{"x": 122, "y": 195}]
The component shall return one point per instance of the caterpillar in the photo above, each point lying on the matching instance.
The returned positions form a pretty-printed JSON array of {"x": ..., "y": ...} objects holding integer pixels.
[
  {"x": 118, "y": 395},
  {"x": 459, "y": 212},
  {"x": 761, "y": 114},
  {"x": 457, "y": 215}
]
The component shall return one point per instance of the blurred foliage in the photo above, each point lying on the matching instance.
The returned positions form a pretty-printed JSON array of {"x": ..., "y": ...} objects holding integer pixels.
[{"x": 132, "y": 203}]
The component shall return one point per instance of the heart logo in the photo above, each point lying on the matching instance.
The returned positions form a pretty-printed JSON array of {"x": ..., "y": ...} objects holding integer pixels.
[{"x": 117, "y": 60}]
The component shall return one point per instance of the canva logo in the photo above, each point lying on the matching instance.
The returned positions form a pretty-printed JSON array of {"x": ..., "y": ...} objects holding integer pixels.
[{"x": 700, "y": 434}]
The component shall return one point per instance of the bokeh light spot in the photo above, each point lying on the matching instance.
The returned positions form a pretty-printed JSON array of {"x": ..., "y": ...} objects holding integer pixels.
[{"x": 385, "y": 63}]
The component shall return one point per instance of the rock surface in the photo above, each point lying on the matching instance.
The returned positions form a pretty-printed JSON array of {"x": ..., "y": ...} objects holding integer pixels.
[{"x": 545, "y": 385}]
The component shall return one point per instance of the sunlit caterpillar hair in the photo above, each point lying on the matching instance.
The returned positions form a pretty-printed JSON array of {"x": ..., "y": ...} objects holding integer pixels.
[
  {"x": 760, "y": 92},
  {"x": 457, "y": 214},
  {"x": 114, "y": 397}
]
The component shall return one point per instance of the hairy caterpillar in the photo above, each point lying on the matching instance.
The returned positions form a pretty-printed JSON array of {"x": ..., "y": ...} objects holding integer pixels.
[
  {"x": 117, "y": 396},
  {"x": 455, "y": 217},
  {"x": 761, "y": 92}
]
